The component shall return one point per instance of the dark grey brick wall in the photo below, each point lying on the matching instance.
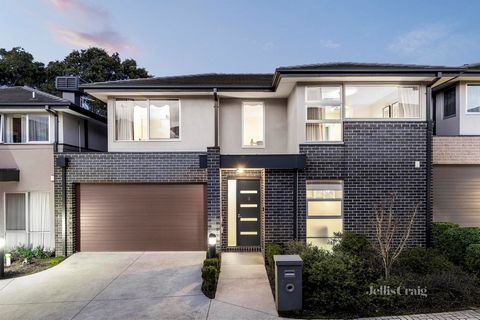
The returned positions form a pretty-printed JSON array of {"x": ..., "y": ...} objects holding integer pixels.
[
  {"x": 177, "y": 167},
  {"x": 213, "y": 192},
  {"x": 279, "y": 205},
  {"x": 375, "y": 160}
]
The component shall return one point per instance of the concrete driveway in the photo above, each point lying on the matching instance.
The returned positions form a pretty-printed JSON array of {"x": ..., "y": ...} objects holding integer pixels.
[{"x": 134, "y": 285}]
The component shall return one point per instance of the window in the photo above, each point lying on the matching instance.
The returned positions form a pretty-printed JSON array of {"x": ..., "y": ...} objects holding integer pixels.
[
  {"x": 324, "y": 211},
  {"x": 15, "y": 205},
  {"x": 323, "y": 114},
  {"x": 449, "y": 103},
  {"x": 253, "y": 121},
  {"x": 38, "y": 128},
  {"x": 382, "y": 101},
  {"x": 473, "y": 98},
  {"x": 24, "y": 128},
  {"x": 143, "y": 120}
]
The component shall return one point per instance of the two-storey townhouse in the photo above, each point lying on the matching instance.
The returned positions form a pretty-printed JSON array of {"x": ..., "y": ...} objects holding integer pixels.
[
  {"x": 302, "y": 153},
  {"x": 456, "y": 148},
  {"x": 34, "y": 125}
]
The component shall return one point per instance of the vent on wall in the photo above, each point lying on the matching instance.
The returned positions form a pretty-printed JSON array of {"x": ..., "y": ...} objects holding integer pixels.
[{"x": 68, "y": 83}]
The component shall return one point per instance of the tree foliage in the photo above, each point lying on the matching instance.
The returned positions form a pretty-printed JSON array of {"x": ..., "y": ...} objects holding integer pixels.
[{"x": 18, "y": 67}]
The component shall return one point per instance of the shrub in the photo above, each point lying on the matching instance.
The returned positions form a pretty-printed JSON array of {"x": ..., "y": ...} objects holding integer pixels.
[
  {"x": 210, "y": 274},
  {"x": 352, "y": 243},
  {"x": 446, "y": 291},
  {"x": 472, "y": 258},
  {"x": 272, "y": 249},
  {"x": 453, "y": 240},
  {"x": 297, "y": 247},
  {"x": 56, "y": 260},
  {"x": 333, "y": 281},
  {"x": 422, "y": 261},
  {"x": 27, "y": 253}
]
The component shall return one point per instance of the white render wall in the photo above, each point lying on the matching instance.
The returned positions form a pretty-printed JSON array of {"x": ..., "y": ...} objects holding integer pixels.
[
  {"x": 196, "y": 129},
  {"x": 276, "y": 127}
]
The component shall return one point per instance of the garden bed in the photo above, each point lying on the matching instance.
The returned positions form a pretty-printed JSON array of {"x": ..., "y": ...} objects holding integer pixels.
[
  {"x": 18, "y": 268},
  {"x": 350, "y": 282},
  {"x": 27, "y": 260}
]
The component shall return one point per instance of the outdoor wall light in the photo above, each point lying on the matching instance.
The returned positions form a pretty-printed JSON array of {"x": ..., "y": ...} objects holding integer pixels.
[
  {"x": 212, "y": 245},
  {"x": 2, "y": 251},
  {"x": 240, "y": 170}
]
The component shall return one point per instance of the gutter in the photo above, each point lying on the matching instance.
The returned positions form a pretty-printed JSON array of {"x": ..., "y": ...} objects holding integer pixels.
[
  {"x": 216, "y": 107},
  {"x": 55, "y": 114},
  {"x": 429, "y": 166}
]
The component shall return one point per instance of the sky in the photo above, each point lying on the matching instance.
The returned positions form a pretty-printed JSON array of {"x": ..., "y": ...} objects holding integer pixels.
[{"x": 246, "y": 36}]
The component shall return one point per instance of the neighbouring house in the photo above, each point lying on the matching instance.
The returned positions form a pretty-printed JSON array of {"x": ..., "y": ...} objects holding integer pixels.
[
  {"x": 303, "y": 153},
  {"x": 456, "y": 148},
  {"x": 34, "y": 125}
]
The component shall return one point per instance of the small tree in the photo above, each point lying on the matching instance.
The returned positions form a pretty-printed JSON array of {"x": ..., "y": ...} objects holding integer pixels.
[{"x": 391, "y": 234}]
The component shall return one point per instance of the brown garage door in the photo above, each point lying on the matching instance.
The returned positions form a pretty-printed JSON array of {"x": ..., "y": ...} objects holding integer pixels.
[
  {"x": 141, "y": 217},
  {"x": 456, "y": 194}
]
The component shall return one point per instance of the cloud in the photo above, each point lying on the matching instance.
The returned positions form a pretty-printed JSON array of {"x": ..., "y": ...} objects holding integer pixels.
[
  {"x": 76, "y": 6},
  {"x": 95, "y": 20},
  {"x": 419, "y": 40},
  {"x": 107, "y": 39},
  {"x": 329, "y": 44}
]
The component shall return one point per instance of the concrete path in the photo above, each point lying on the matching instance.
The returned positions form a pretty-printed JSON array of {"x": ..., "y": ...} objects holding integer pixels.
[{"x": 243, "y": 288}]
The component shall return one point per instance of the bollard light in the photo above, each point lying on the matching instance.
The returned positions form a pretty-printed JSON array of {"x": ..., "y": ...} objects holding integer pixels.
[
  {"x": 212, "y": 245},
  {"x": 2, "y": 260}
]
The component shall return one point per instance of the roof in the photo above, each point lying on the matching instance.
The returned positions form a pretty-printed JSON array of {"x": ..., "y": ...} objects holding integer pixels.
[
  {"x": 21, "y": 97},
  {"x": 24, "y": 96},
  {"x": 206, "y": 81},
  {"x": 358, "y": 66},
  {"x": 268, "y": 81}
]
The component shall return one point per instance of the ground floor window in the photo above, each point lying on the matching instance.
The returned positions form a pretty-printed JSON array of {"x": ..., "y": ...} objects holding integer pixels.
[
  {"x": 324, "y": 212},
  {"x": 28, "y": 219}
]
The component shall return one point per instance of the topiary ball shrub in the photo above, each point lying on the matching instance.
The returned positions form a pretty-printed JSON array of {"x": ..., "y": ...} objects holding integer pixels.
[
  {"x": 210, "y": 274},
  {"x": 472, "y": 258}
]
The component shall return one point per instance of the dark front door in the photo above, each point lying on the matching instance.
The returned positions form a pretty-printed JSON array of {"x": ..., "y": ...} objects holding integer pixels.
[{"x": 248, "y": 212}]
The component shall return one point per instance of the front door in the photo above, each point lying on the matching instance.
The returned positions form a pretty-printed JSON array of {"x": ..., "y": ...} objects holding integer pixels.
[{"x": 248, "y": 212}]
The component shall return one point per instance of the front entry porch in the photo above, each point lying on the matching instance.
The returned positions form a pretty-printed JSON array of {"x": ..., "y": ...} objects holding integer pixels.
[{"x": 242, "y": 198}]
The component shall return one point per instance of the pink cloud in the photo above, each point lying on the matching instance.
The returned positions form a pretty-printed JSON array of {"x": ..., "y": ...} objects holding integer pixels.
[
  {"x": 108, "y": 39},
  {"x": 78, "y": 6},
  {"x": 101, "y": 34}
]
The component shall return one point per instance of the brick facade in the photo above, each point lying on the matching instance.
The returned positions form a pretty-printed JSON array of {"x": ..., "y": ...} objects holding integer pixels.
[
  {"x": 177, "y": 167},
  {"x": 375, "y": 160},
  {"x": 456, "y": 150}
]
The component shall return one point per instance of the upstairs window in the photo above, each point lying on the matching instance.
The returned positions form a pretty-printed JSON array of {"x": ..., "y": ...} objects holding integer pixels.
[
  {"x": 473, "y": 98},
  {"x": 253, "y": 124},
  {"x": 143, "y": 120},
  {"x": 25, "y": 128},
  {"x": 323, "y": 114},
  {"x": 382, "y": 101},
  {"x": 449, "y": 103}
]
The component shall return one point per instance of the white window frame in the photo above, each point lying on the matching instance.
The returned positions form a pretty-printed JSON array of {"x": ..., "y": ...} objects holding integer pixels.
[
  {"x": 321, "y": 217},
  {"x": 27, "y": 209},
  {"x": 313, "y": 103},
  {"x": 466, "y": 98},
  {"x": 148, "y": 121},
  {"x": 383, "y": 84},
  {"x": 244, "y": 103},
  {"x": 3, "y": 132}
]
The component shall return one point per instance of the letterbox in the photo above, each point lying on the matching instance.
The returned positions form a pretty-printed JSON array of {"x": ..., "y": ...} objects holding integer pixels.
[{"x": 288, "y": 282}]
